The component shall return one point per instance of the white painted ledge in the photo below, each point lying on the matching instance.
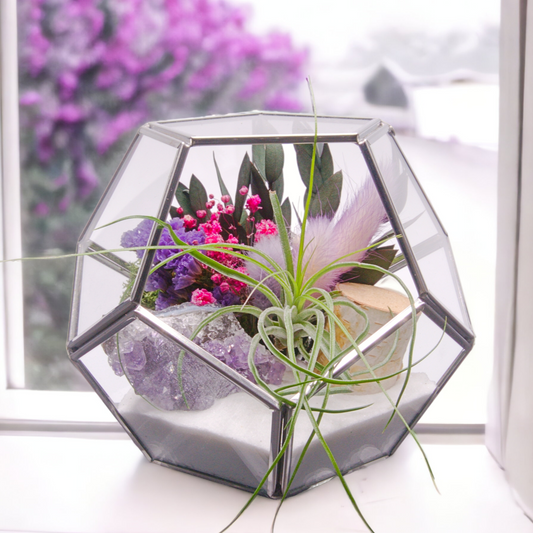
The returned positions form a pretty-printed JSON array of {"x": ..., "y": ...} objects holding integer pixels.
[{"x": 91, "y": 485}]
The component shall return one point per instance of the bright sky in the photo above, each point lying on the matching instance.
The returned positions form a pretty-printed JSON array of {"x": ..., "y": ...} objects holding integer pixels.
[{"x": 331, "y": 26}]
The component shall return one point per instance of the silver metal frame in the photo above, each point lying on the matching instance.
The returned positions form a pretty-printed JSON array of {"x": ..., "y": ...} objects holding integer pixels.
[{"x": 83, "y": 342}]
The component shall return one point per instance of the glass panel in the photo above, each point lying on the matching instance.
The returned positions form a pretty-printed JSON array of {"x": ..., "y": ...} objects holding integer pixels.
[
  {"x": 422, "y": 228},
  {"x": 444, "y": 350},
  {"x": 360, "y": 437},
  {"x": 224, "y": 434},
  {"x": 264, "y": 125},
  {"x": 345, "y": 157},
  {"x": 138, "y": 189},
  {"x": 100, "y": 291}
]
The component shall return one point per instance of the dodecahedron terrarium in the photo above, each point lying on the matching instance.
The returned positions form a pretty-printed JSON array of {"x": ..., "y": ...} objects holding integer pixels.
[{"x": 196, "y": 334}]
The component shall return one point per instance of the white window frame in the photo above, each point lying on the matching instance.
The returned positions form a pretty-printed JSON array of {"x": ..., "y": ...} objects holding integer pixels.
[
  {"x": 20, "y": 407},
  {"x": 12, "y": 371}
]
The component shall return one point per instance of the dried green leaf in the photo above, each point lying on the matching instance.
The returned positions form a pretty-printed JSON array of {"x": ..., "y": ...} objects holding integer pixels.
[
  {"x": 304, "y": 154},
  {"x": 326, "y": 162},
  {"x": 259, "y": 157},
  {"x": 287, "y": 213},
  {"x": 259, "y": 187},
  {"x": 221, "y": 184},
  {"x": 182, "y": 196},
  {"x": 197, "y": 195},
  {"x": 326, "y": 200},
  {"x": 382, "y": 257},
  {"x": 277, "y": 187},
  {"x": 242, "y": 181},
  {"x": 274, "y": 160}
]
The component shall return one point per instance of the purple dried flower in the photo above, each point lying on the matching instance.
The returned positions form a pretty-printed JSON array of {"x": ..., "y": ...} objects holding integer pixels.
[
  {"x": 226, "y": 298},
  {"x": 137, "y": 236},
  {"x": 190, "y": 237},
  {"x": 170, "y": 297},
  {"x": 159, "y": 280}
]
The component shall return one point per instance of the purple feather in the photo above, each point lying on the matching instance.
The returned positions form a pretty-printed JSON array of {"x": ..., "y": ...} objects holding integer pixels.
[{"x": 327, "y": 241}]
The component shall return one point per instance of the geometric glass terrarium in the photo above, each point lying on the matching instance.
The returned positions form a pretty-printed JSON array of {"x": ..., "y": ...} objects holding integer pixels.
[{"x": 194, "y": 404}]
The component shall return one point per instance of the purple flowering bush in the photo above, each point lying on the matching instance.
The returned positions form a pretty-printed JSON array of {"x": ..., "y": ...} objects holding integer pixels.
[{"x": 91, "y": 72}]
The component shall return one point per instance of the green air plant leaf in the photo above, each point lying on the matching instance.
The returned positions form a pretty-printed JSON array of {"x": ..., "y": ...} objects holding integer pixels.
[
  {"x": 198, "y": 195},
  {"x": 383, "y": 256},
  {"x": 242, "y": 181}
]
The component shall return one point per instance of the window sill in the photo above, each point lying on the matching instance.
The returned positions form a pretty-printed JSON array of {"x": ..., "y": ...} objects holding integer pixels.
[
  {"x": 83, "y": 409},
  {"x": 94, "y": 484}
]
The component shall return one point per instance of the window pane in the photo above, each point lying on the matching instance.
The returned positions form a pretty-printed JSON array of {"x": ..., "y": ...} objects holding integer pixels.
[{"x": 89, "y": 78}]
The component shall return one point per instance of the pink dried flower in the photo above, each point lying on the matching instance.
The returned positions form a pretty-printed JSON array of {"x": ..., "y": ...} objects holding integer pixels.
[
  {"x": 201, "y": 213},
  {"x": 224, "y": 287},
  {"x": 220, "y": 207},
  {"x": 189, "y": 222},
  {"x": 265, "y": 227},
  {"x": 212, "y": 227},
  {"x": 179, "y": 211},
  {"x": 230, "y": 209},
  {"x": 202, "y": 297},
  {"x": 213, "y": 238},
  {"x": 253, "y": 203},
  {"x": 226, "y": 198},
  {"x": 210, "y": 204},
  {"x": 216, "y": 278},
  {"x": 243, "y": 190},
  {"x": 211, "y": 196}
]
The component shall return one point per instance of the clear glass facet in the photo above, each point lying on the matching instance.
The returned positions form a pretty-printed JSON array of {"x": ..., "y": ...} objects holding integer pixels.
[
  {"x": 264, "y": 124},
  {"x": 138, "y": 190},
  {"x": 226, "y": 434},
  {"x": 421, "y": 228}
]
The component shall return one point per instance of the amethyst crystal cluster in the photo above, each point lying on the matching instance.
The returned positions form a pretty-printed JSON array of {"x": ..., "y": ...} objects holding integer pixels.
[{"x": 151, "y": 362}]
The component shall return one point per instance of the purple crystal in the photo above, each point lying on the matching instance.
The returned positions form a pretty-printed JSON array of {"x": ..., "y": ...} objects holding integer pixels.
[{"x": 153, "y": 367}]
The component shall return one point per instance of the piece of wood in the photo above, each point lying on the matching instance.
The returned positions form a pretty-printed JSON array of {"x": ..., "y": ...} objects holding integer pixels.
[
  {"x": 380, "y": 305},
  {"x": 376, "y": 297}
]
